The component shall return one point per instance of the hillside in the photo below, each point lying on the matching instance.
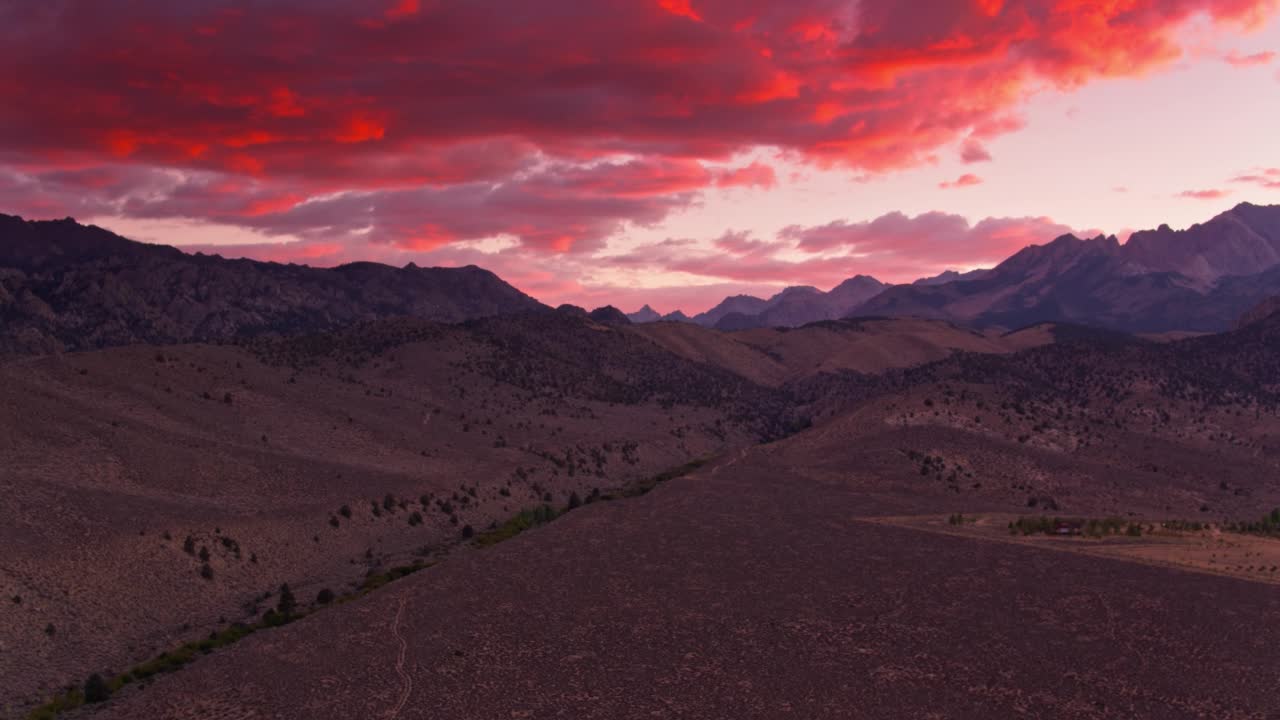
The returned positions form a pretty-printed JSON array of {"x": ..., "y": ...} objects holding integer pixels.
[
  {"x": 313, "y": 460},
  {"x": 774, "y": 356},
  {"x": 736, "y": 589},
  {"x": 65, "y": 286}
]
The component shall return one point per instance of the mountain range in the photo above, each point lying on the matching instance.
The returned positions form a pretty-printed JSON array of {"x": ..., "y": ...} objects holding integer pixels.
[
  {"x": 66, "y": 286},
  {"x": 1196, "y": 280}
]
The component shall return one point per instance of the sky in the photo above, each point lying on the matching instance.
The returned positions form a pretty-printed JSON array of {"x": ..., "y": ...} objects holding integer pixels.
[{"x": 668, "y": 152}]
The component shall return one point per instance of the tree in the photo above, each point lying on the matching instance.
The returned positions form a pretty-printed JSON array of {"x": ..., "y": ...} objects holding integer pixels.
[
  {"x": 324, "y": 597},
  {"x": 96, "y": 690},
  {"x": 574, "y": 501},
  {"x": 287, "y": 604}
]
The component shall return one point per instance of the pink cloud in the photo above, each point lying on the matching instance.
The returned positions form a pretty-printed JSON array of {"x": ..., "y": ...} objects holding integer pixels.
[
  {"x": 1259, "y": 58},
  {"x": 929, "y": 240},
  {"x": 974, "y": 152},
  {"x": 1268, "y": 178},
  {"x": 754, "y": 175},
  {"x": 966, "y": 180},
  {"x": 1212, "y": 194}
]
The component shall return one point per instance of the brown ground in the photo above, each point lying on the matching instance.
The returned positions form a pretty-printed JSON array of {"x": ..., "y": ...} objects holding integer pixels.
[
  {"x": 112, "y": 459},
  {"x": 1249, "y": 557},
  {"x": 772, "y": 356},
  {"x": 753, "y": 591}
]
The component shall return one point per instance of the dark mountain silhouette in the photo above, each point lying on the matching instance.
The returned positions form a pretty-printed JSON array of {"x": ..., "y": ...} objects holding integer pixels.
[
  {"x": 609, "y": 315},
  {"x": 645, "y": 314},
  {"x": 952, "y": 276},
  {"x": 742, "y": 304},
  {"x": 1099, "y": 282},
  {"x": 66, "y": 286},
  {"x": 572, "y": 310},
  {"x": 1262, "y": 311},
  {"x": 793, "y": 307},
  {"x": 676, "y": 316}
]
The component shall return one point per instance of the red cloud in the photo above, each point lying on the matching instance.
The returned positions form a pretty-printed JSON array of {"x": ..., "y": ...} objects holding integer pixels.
[
  {"x": 404, "y": 8},
  {"x": 753, "y": 175},
  {"x": 612, "y": 111},
  {"x": 680, "y": 8},
  {"x": 966, "y": 180},
  {"x": 1204, "y": 194}
]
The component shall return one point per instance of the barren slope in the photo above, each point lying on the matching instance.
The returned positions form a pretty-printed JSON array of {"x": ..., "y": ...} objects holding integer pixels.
[
  {"x": 754, "y": 591},
  {"x": 775, "y": 356},
  {"x": 113, "y": 459}
]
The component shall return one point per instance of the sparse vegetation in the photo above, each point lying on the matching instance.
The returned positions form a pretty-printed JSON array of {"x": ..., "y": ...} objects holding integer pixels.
[
  {"x": 1068, "y": 526},
  {"x": 1267, "y": 526}
]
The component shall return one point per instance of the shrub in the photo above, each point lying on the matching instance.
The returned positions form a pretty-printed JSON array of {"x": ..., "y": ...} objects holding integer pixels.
[
  {"x": 287, "y": 604},
  {"x": 324, "y": 597},
  {"x": 467, "y": 532},
  {"x": 96, "y": 690},
  {"x": 345, "y": 511},
  {"x": 206, "y": 572},
  {"x": 415, "y": 518},
  {"x": 575, "y": 501}
]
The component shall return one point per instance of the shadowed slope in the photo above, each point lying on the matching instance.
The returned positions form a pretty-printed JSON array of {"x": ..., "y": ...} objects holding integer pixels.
[{"x": 65, "y": 286}]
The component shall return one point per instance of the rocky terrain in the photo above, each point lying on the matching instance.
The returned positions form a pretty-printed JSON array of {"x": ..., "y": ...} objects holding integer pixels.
[
  {"x": 776, "y": 582},
  {"x": 150, "y": 494},
  {"x": 154, "y": 495},
  {"x": 65, "y": 286}
]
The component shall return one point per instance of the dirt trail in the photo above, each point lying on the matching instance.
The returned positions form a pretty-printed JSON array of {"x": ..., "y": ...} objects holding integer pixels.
[{"x": 405, "y": 681}]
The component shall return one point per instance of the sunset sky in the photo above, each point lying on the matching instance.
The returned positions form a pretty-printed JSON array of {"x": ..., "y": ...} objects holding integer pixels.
[{"x": 631, "y": 151}]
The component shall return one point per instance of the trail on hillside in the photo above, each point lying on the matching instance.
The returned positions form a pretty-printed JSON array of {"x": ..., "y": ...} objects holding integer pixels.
[{"x": 406, "y": 681}]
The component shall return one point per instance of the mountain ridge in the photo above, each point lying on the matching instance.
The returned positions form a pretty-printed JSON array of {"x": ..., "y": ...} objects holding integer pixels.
[{"x": 67, "y": 286}]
